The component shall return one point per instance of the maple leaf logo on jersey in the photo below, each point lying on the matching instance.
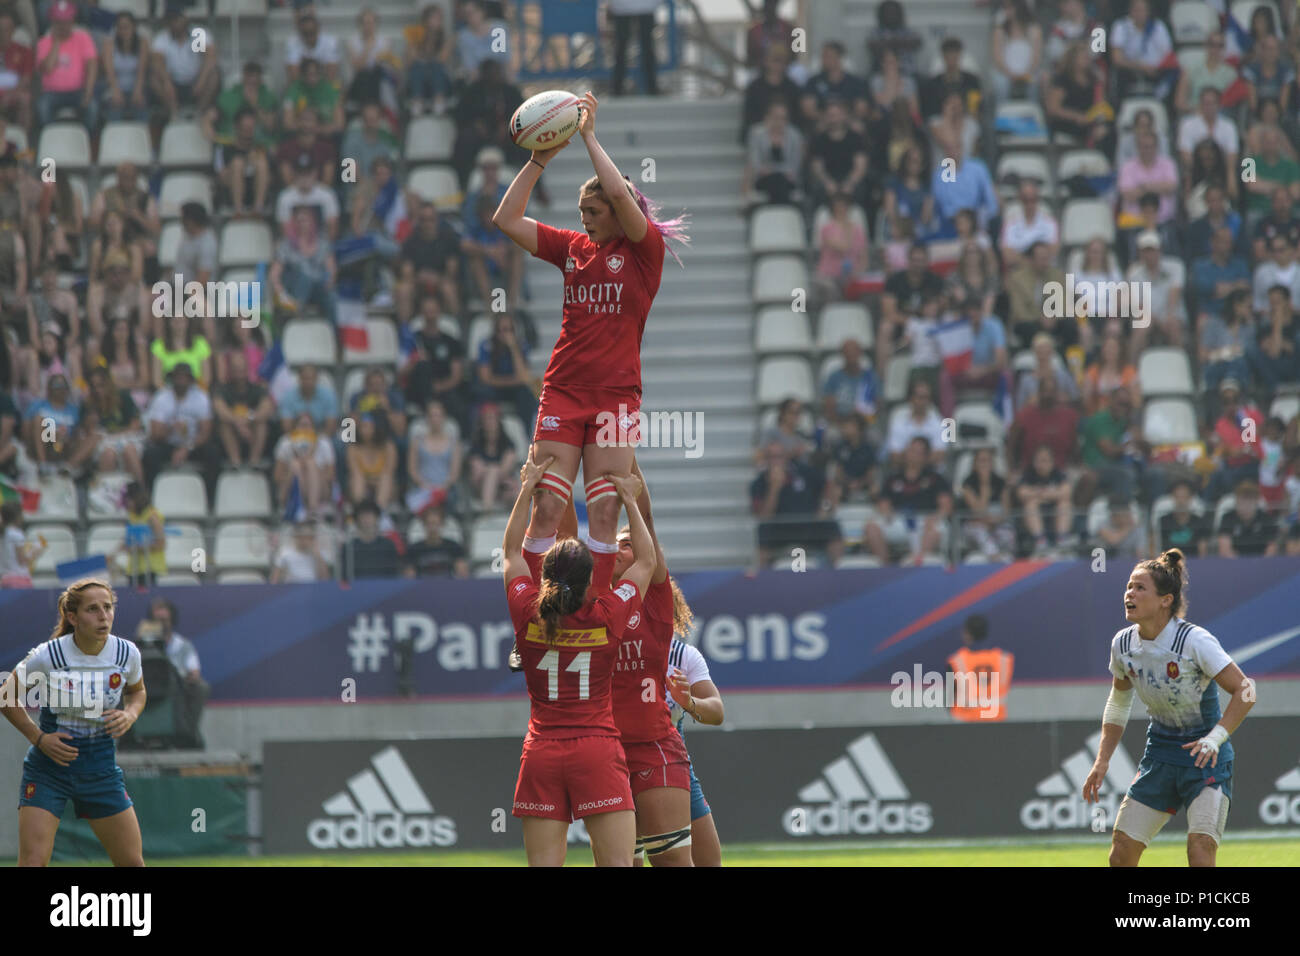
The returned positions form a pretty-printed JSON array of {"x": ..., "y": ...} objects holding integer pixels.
[
  {"x": 634, "y": 620},
  {"x": 1172, "y": 670},
  {"x": 114, "y": 680},
  {"x": 615, "y": 263}
]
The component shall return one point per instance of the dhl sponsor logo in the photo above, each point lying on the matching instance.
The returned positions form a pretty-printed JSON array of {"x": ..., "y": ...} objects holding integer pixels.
[{"x": 589, "y": 637}]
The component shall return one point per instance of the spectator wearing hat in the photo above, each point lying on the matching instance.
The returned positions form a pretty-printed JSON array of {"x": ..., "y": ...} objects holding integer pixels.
[
  {"x": 300, "y": 560},
  {"x": 16, "y": 67},
  {"x": 1247, "y": 531},
  {"x": 308, "y": 42},
  {"x": 1148, "y": 220},
  {"x": 306, "y": 140},
  {"x": 243, "y": 167},
  {"x": 244, "y": 412},
  {"x": 1235, "y": 441},
  {"x": 189, "y": 76},
  {"x": 67, "y": 64},
  {"x": 1027, "y": 224},
  {"x": 251, "y": 92},
  {"x": 1273, "y": 356},
  {"x": 314, "y": 90},
  {"x": 179, "y": 419},
  {"x": 1166, "y": 277}
]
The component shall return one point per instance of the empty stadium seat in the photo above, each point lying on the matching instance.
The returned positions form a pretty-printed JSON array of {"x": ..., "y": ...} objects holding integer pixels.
[
  {"x": 125, "y": 143},
  {"x": 245, "y": 243},
  {"x": 169, "y": 241},
  {"x": 1191, "y": 59},
  {"x": 782, "y": 378},
  {"x": 429, "y": 139},
  {"x": 1192, "y": 22},
  {"x": 1082, "y": 162},
  {"x": 1084, "y": 220},
  {"x": 183, "y": 145},
  {"x": 180, "y": 188},
  {"x": 844, "y": 320},
  {"x": 853, "y": 518},
  {"x": 68, "y": 144},
  {"x": 486, "y": 538},
  {"x": 382, "y": 345},
  {"x": 1099, "y": 511},
  {"x": 16, "y": 135},
  {"x": 1285, "y": 407},
  {"x": 978, "y": 422},
  {"x": 241, "y": 8},
  {"x": 309, "y": 342},
  {"x": 58, "y": 499},
  {"x": 1024, "y": 165},
  {"x": 242, "y": 494},
  {"x": 858, "y": 561},
  {"x": 1165, "y": 371},
  {"x": 1169, "y": 421},
  {"x": 779, "y": 329},
  {"x": 896, "y": 375},
  {"x": 436, "y": 184},
  {"x": 180, "y": 494},
  {"x": 140, "y": 8},
  {"x": 60, "y": 545},
  {"x": 480, "y": 330},
  {"x": 105, "y": 538},
  {"x": 777, "y": 277},
  {"x": 183, "y": 538},
  {"x": 777, "y": 229},
  {"x": 354, "y": 383},
  {"x": 241, "y": 577},
  {"x": 1226, "y": 504},
  {"x": 242, "y": 544}
]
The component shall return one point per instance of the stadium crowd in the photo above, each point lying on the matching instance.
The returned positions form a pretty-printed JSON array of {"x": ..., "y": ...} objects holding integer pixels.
[{"x": 969, "y": 418}]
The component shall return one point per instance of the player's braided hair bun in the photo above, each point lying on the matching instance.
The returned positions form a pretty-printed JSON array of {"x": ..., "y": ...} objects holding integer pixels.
[
  {"x": 1169, "y": 574},
  {"x": 566, "y": 575}
]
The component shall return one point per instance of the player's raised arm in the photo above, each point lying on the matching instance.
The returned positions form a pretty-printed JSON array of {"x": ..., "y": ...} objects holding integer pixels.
[
  {"x": 643, "y": 546},
  {"x": 628, "y": 213},
  {"x": 512, "y": 542},
  {"x": 643, "y": 505},
  {"x": 1242, "y": 689},
  {"x": 509, "y": 217},
  {"x": 1118, "y": 707}
]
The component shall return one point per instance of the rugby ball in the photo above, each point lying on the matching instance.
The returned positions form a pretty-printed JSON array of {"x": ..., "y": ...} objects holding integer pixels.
[{"x": 546, "y": 120}]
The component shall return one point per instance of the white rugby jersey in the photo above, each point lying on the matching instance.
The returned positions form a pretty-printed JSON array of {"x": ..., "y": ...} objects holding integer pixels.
[
  {"x": 687, "y": 659},
  {"x": 78, "y": 688},
  {"x": 1173, "y": 676}
]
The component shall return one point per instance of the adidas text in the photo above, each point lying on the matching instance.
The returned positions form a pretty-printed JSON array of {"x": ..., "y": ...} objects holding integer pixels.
[
  {"x": 102, "y": 909},
  {"x": 1066, "y": 813},
  {"x": 866, "y": 817},
  {"x": 395, "y": 830}
]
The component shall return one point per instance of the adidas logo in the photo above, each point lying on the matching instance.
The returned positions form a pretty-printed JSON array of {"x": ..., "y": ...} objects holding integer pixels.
[
  {"x": 381, "y": 807},
  {"x": 860, "y": 793},
  {"x": 1279, "y": 808},
  {"x": 1060, "y": 804}
]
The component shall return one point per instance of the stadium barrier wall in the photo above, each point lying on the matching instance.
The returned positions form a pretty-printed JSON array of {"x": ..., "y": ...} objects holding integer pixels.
[{"x": 770, "y": 786}]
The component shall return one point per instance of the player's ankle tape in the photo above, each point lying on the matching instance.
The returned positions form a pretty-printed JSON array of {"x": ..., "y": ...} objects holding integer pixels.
[
  {"x": 556, "y": 483},
  {"x": 601, "y": 547},
  {"x": 538, "y": 545},
  {"x": 600, "y": 488}
]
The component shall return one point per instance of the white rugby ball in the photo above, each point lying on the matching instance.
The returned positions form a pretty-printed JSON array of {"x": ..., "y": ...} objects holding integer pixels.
[{"x": 546, "y": 120}]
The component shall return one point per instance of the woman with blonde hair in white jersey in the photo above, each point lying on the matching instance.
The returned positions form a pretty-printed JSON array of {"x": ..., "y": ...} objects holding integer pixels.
[
  {"x": 90, "y": 687},
  {"x": 1174, "y": 666}
]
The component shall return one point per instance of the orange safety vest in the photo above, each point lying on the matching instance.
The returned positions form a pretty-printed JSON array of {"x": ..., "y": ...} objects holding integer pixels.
[{"x": 991, "y": 661}]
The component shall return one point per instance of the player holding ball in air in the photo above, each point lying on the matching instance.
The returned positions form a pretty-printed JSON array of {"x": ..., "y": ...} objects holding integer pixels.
[
  {"x": 1174, "y": 666},
  {"x": 611, "y": 272},
  {"x": 572, "y": 766}
]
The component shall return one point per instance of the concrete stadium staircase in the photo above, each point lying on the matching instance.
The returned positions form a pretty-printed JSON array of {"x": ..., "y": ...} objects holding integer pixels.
[{"x": 697, "y": 354}]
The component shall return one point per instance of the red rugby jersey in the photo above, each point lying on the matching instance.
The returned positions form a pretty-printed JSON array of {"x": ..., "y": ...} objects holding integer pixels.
[
  {"x": 608, "y": 291},
  {"x": 569, "y": 681},
  {"x": 643, "y": 653}
]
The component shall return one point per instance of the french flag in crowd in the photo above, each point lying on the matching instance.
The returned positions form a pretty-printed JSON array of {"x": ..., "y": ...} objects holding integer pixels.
[
  {"x": 956, "y": 343},
  {"x": 1237, "y": 41},
  {"x": 354, "y": 333}
]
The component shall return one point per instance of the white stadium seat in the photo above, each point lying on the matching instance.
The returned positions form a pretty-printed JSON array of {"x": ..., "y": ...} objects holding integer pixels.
[
  {"x": 1165, "y": 371},
  {"x": 125, "y": 143},
  {"x": 179, "y": 495},
  {"x": 169, "y": 242},
  {"x": 1099, "y": 511},
  {"x": 309, "y": 342},
  {"x": 183, "y": 145},
  {"x": 16, "y": 135},
  {"x": 1083, "y": 162},
  {"x": 782, "y": 378},
  {"x": 1165, "y": 505},
  {"x": 1285, "y": 407},
  {"x": 58, "y": 499},
  {"x": 978, "y": 417},
  {"x": 896, "y": 375},
  {"x": 105, "y": 538},
  {"x": 777, "y": 277},
  {"x": 180, "y": 188},
  {"x": 182, "y": 539},
  {"x": 243, "y": 8},
  {"x": 246, "y": 243},
  {"x": 778, "y": 329},
  {"x": 429, "y": 139},
  {"x": 486, "y": 537},
  {"x": 1169, "y": 421},
  {"x": 382, "y": 348},
  {"x": 178, "y": 580},
  {"x": 241, "y": 577},
  {"x": 104, "y": 496},
  {"x": 844, "y": 320},
  {"x": 242, "y": 494},
  {"x": 480, "y": 330},
  {"x": 68, "y": 144},
  {"x": 1192, "y": 22},
  {"x": 436, "y": 184},
  {"x": 242, "y": 544},
  {"x": 1084, "y": 220},
  {"x": 777, "y": 229},
  {"x": 138, "y": 7},
  {"x": 1025, "y": 165},
  {"x": 61, "y": 545}
]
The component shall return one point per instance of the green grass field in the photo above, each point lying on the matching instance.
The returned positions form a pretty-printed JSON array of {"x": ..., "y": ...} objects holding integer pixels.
[{"x": 1164, "y": 853}]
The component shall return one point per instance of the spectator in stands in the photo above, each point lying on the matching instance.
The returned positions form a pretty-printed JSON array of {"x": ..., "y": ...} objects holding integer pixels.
[
  {"x": 48, "y": 303},
  {"x": 369, "y": 554},
  {"x": 490, "y": 259},
  {"x": 1182, "y": 527},
  {"x": 1121, "y": 535},
  {"x": 123, "y": 352},
  {"x": 67, "y": 63},
  {"x": 307, "y": 42},
  {"x": 952, "y": 79},
  {"x": 145, "y": 542},
  {"x": 381, "y": 400},
  {"x": 908, "y": 205},
  {"x": 1143, "y": 121},
  {"x": 12, "y": 457},
  {"x": 1224, "y": 343},
  {"x": 1213, "y": 71},
  {"x": 1216, "y": 276},
  {"x": 16, "y": 68},
  {"x": 1218, "y": 215},
  {"x": 1269, "y": 75},
  {"x": 438, "y": 370},
  {"x": 434, "y": 555},
  {"x": 1247, "y": 530},
  {"x": 244, "y": 412},
  {"x": 429, "y": 49},
  {"x": 188, "y": 77},
  {"x": 181, "y": 343},
  {"x": 313, "y": 393},
  {"x": 117, "y": 297},
  {"x": 429, "y": 264},
  {"x": 314, "y": 91},
  {"x": 433, "y": 462},
  {"x": 377, "y": 215},
  {"x": 890, "y": 85},
  {"x": 504, "y": 375},
  {"x": 787, "y": 498},
  {"x": 852, "y": 460},
  {"x": 1017, "y": 50},
  {"x": 766, "y": 31},
  {"x": 1146, "y": 221},
  {"x": 112, "y": 238},
  {"x": 1027, "y": 284},
  {"x": 480, "y": 39},
  {"x": 953, "y": 131},
  {"x": 985, "y": 505},
  {"x": 129, "y": 194},
  {"x": 1074, "y": 101},
  {"x": 1072, "y": 26},
  {"x": 1280, "y": 269},
  {"x": 54, "y": 357},
  {"x": 1047, "y": 364},
  {"x": 851, "y": 389},
  {"x": 975, "y": 276},
  {"x": 626, "y": 15},
  {"x": 1097, "y": 269},
  {"x": 308, "y": 142},
  {"x": 1234, "y": 441},
  {"x": 483, "y": 113},
  {"x": 1043, "y": 492},
  {"x": 841, "y": 249},
  {"x": 243, "y": 167},
  {"x": 920, "y": 421},
  {"x": 303, "y": 271},
  {"x": 1273, "y": 354},
  {"x": 891, "y": 140},
  {"x": 770, "y": 86},
  {"x": 1045, "y": 422},
  {"x": 61, "y": 212},
  {"x": 893, "y": 33},
  {"x": 965, "y": 185},
  {"x": 774, "y": 158},
  {"x": 113, "y": 434},
  {"x": 369, "y": 55},
  {"x": 305, "y": 460},
  {"x": 1107, "y": 372},
  {"x": 53, "y": 447},
  {"x": 1273, "y": 171},
  {"x": 1208, "y": 123},
  {"x": 1148, "y": 172},
  {"x": 196, "y": 254},
  {"x": 902, "y": 297},
  {"x": 493, "y": 459},
  {"x": 368, "y": 141},
  {"x": 179, "y": 419},
  {"x": 835, "y": 82},
  {"x": 18, "y": 553},
  {"x": 219, "y": 123},
  {"x": 372, "y": 464},
  {"x": 1027, "y": 225},
  {"x": 912, "y": 508},
  {"x": 1166, "y": 278},
  {"x": 1139, "y": 44},
  {"x": 301, "y": 560},
  {"x": 1281, "y": 220},
  {"x": 794, "y": 444},
  {"x": 126, "y": 61},
  {"x": 1208, "y": 167},
  {"x": 921, "y": 342}
]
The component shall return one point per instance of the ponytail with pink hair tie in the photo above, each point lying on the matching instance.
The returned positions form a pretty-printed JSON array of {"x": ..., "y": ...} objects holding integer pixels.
[{"x": 674, "y": 229}]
